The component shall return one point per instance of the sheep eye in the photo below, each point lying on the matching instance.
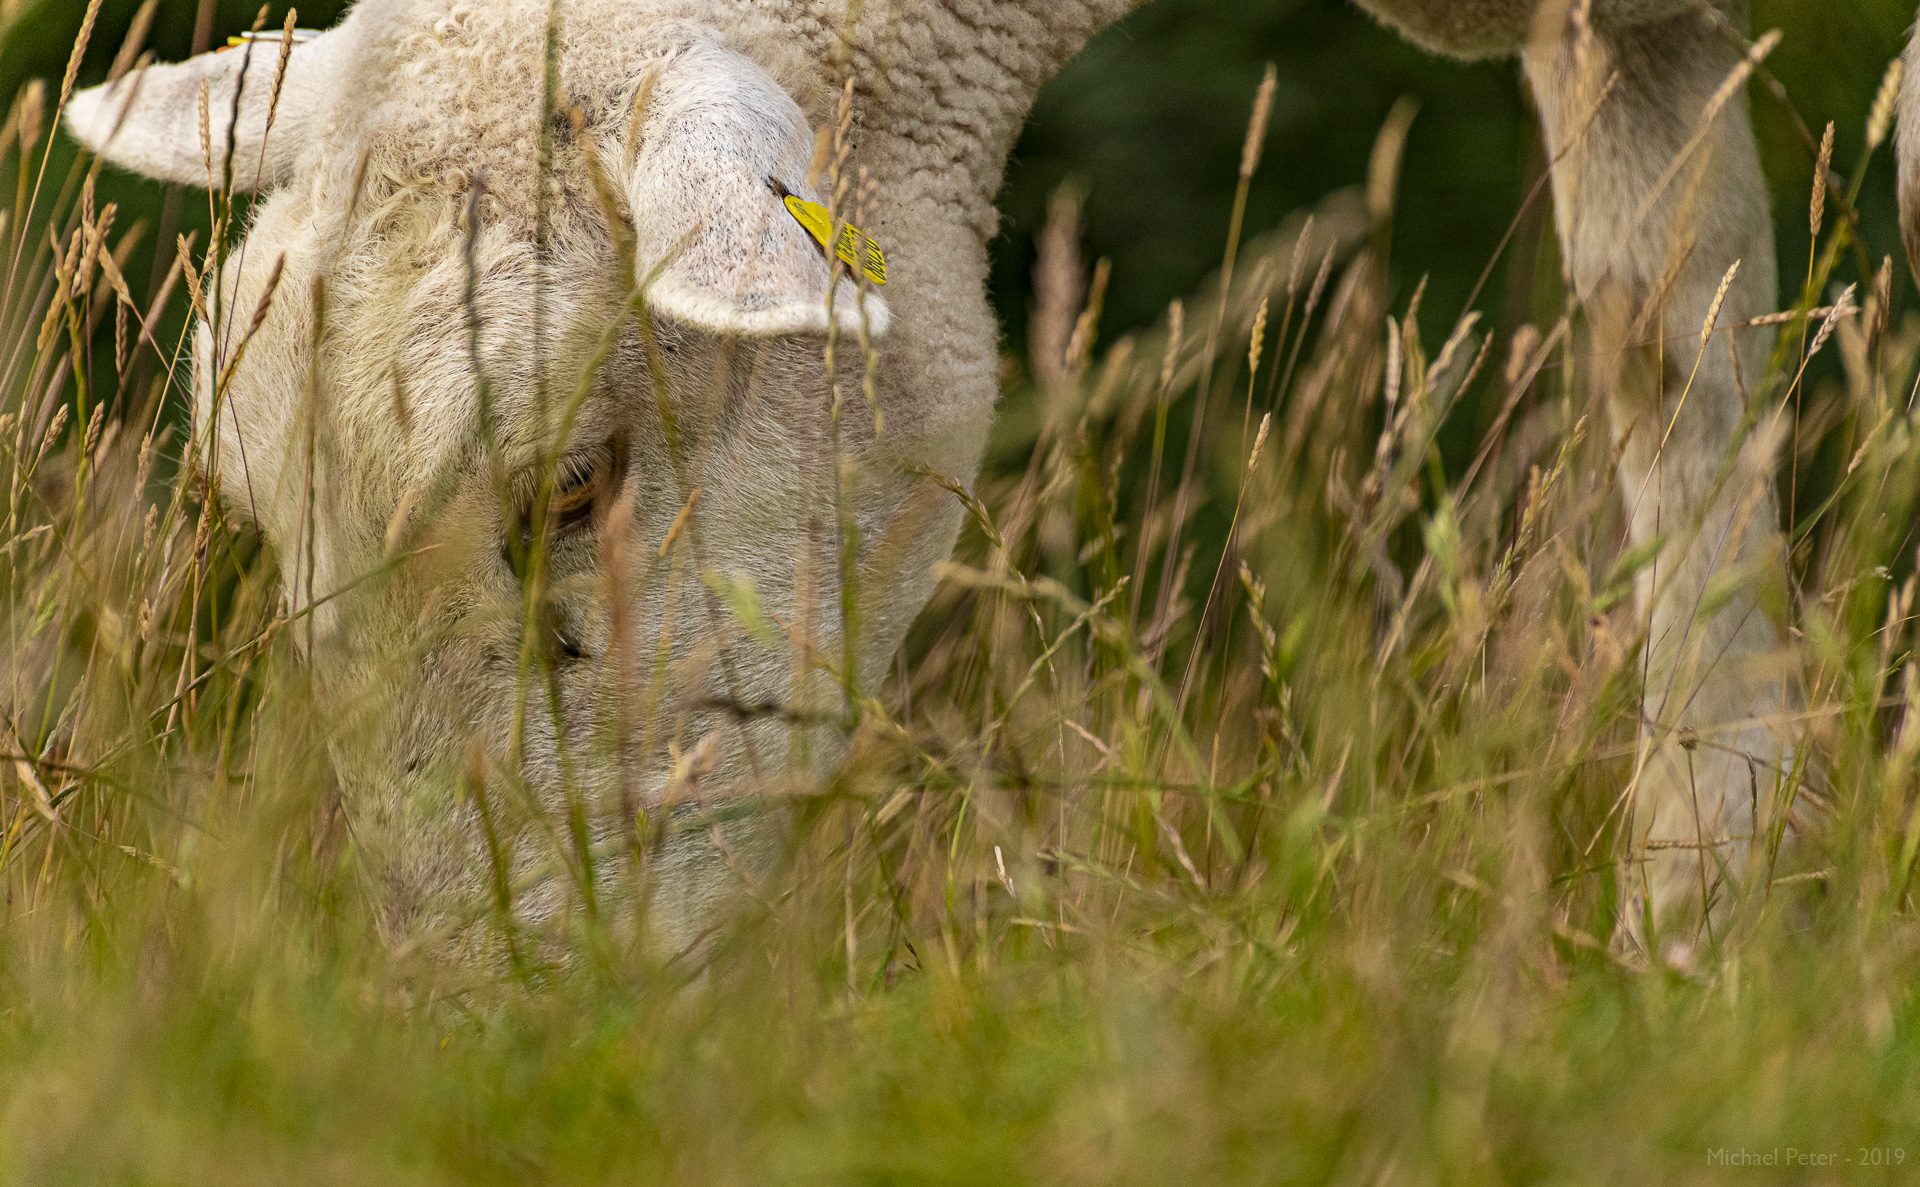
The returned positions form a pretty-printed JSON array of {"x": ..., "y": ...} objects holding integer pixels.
[
  {"x": 581, "y": 485},
  {"x": 575, "y": 495}
]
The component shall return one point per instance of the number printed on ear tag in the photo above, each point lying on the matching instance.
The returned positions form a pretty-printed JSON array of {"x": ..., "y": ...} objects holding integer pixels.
[{"x": 855, "y": 248}]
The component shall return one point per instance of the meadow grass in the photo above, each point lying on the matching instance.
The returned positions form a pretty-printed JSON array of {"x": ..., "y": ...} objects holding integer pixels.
[{"x": 1244, "y": 807}]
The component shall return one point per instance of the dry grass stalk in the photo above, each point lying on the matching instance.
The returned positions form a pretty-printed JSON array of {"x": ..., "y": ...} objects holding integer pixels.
[
  {"x": 1817, "y": 212},
  {"x": 79, "y": 49},
  {"x": 1059, "y": 285}
]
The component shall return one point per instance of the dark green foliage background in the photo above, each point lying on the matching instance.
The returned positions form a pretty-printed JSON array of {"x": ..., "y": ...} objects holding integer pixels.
[{"x": 1150, "y": 121}]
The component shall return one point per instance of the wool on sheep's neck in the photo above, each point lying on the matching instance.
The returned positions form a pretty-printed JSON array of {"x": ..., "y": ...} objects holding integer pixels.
[{"x": 942, "y": 87}]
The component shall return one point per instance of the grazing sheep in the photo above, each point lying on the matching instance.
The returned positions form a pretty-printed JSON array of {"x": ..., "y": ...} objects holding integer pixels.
[{"x": 383, "y": 409}]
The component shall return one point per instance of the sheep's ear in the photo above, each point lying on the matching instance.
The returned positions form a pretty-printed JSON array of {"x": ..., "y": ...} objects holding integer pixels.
[
  {"x": 719, "y": 146},
  {"x": 149, "y": 121}
]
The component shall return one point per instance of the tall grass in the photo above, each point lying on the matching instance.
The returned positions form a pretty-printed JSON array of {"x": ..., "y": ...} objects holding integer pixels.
[{"x": 1243, "y": 807}]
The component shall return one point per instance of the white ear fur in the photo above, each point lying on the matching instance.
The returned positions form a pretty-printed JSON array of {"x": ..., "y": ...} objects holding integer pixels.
[
  {"x": 719, "y": 134},
  {"x": 149, "y": 121}
]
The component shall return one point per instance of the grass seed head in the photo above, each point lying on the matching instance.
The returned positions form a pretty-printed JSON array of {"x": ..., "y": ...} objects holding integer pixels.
[
  {"x": 1259, "y": 340},
  {"x": 33, "y": 110},
  {"x": 1719, "y": 299},
  {"x": 206, "y": 132},
  {"x": 1176, "y": 327},
  {"x": 79, "y": 50},
  {"x": 136, "y": 38},
  {"x": 1816, "y": 213},
  {"x": 93, "y": 429},
  {"x": 280, "y": 67},
  {"x": 1257, "y": 125},
  {"x": 1297, "y": 262},
  {"x": 1839, "y": 309},
  {"x": 58, "y": 423},
  {"x": 1319, "y": 285},
  {"x": 1880, "y": 118}
]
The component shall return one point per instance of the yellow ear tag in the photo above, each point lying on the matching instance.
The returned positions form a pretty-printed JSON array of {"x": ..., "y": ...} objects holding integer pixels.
[
  {"x": 274, "y": 36},
  {"x": 855, "y": 249}
]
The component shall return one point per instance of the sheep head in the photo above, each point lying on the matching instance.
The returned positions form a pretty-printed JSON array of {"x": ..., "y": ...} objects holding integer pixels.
[{"x": 508, "y": 425}]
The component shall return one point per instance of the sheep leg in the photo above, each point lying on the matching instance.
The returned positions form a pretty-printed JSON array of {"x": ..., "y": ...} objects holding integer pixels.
[
  {"x": 1715, "y": 769},
  {"x": 1658, "y": 191}
]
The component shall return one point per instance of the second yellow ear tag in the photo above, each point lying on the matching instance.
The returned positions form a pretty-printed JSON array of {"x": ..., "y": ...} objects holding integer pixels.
[{"x": 856, "y": 249}]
